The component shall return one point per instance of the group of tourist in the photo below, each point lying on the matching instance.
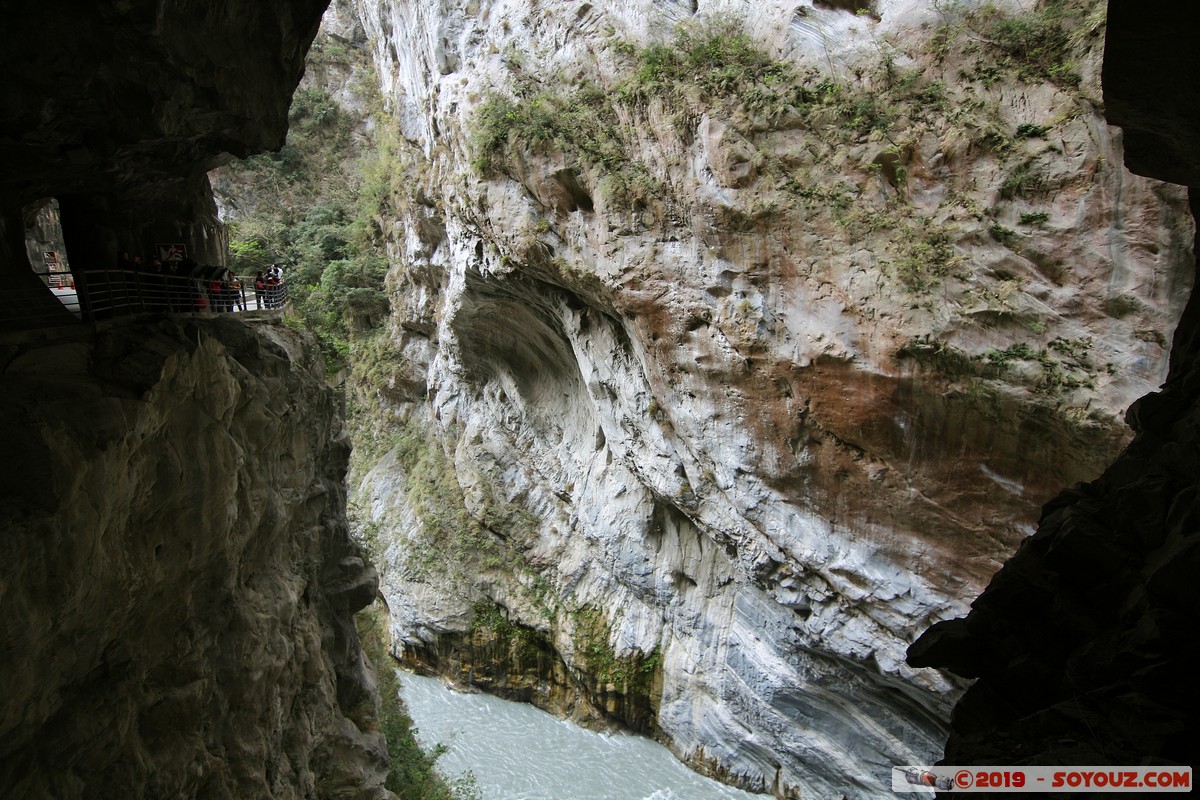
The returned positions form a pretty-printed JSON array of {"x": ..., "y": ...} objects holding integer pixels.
[
  {"x": 225, "y": 293},
  {"x": 268, "y": 287},
  {"x": 183, "y": 285}
]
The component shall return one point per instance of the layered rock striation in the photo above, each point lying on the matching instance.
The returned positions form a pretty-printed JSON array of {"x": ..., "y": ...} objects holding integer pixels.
[
  {"x": 179, "y": 580},
  {"x": 722, "y": 363}
]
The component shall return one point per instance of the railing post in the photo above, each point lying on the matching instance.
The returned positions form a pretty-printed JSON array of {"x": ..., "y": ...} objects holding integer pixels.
[{"x": 83, "y": 295}]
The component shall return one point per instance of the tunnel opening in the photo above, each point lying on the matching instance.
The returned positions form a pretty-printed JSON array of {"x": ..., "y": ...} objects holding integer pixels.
[
  {"x": 34, "y": 259},
  {"x": 46, "y": 250}
]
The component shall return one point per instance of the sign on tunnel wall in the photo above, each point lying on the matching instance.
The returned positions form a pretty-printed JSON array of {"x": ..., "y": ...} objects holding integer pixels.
[{"x": 171, "y": 252}]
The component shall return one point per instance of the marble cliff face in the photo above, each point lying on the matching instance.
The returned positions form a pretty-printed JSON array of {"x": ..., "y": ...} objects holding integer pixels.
[{"x": 700, "y": 437}]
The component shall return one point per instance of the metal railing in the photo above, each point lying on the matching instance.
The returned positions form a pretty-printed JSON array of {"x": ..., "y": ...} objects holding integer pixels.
[{"x": 102, "y": 294}]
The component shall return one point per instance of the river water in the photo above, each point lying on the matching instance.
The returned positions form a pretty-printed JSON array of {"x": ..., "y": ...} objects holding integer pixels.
[{"x": 518, "y": 752}]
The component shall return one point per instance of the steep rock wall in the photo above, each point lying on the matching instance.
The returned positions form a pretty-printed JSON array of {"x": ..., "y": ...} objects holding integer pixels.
[
  {"x": 737, "y": 411},
  {"x": 179, "y": 581},
  {"x": 1083, "y": 644}
]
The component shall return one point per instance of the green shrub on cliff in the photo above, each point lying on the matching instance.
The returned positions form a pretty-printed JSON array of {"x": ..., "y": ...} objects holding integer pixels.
[
  {"x": 926, "y": 254},
  {"x": 716, "y": 63},
  {"x": 412, "y": 772},
  {"x": 843, "y": 149},
  {"x": 1038, "y": 45},
  {"x": 314, "y": 110},
  {"x": 1061, "y": 367},
  {"x": 716, "y": 60},
  {"x": 714, "y": 68},
  {"x": 581, "y": 122},
  {"x": 454, "y": 541},
  {"x": 632, "y": 674},
  {"x": 519, "y": 640},
  {"x": 307, "y": 210}
]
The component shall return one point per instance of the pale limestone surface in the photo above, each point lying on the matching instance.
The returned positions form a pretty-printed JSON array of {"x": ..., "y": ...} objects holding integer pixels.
[{"x": 716, "y": 429}]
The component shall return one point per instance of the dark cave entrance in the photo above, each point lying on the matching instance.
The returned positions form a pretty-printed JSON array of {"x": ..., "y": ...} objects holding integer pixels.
[{"x": 47, "y": 251}]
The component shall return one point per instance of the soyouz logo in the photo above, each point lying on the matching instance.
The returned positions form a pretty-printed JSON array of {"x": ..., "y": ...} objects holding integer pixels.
[{"x": 1040, "y": 779}]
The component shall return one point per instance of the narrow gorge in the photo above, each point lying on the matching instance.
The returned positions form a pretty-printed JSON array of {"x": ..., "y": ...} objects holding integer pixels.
[{"x": 683, "y": 367}]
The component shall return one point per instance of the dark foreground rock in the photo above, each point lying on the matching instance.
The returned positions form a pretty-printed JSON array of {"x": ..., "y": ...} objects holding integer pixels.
[{"x": 178, "y": 583}]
